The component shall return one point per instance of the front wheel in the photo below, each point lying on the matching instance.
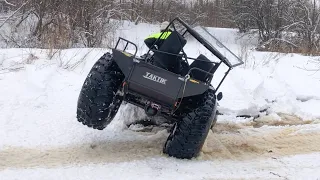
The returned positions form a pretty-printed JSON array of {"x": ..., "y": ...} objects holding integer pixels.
[
  {"x": 190, "y": 131},
  {"x": 98, "y": 101}
]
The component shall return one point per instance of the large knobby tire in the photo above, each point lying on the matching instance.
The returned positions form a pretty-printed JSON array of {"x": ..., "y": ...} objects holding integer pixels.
[
  {"x": 98, "y": 101},
  {"x": 191, "y": 130},
  {"x": 215, "y": 119}
]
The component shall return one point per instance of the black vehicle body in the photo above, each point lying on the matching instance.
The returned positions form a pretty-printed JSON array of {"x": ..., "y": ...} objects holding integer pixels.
[
  {"x": 159, "y": 88},
  {"x": 163, "y": 83}
]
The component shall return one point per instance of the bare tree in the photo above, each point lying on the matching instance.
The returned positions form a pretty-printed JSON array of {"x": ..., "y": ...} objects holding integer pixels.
[
  {"x": 11, "y": 4},
  {"x": 288, "y": 25},
  {"x": 305, "y": 16},
  {"x": 14, "y": 13}
]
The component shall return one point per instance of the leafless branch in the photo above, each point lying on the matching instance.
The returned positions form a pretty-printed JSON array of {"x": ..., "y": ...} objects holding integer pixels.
[
  {"x": 8, "y": 3},
  {"x": 14, "y": 13}
]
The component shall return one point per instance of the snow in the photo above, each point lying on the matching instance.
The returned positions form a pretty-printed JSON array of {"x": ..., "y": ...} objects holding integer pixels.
[
  {"x": 279, "y": 85},
  {"x": 163, "y": 168},
  {"x": 41, "y": 138}
]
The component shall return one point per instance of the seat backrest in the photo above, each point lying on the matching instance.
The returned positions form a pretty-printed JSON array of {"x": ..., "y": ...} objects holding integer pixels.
[
  {"x": 205, "y": 64},
  {"x": 173, "y": 45}
]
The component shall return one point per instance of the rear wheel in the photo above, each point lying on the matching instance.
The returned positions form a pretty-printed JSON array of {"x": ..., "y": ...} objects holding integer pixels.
[
  {"x": 190, "y": 131},
  {"x": 98, "y": 101}
]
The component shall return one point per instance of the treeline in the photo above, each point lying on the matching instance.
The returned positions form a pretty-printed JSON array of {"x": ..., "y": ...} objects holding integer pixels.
[{"x": 282, "y": 25}]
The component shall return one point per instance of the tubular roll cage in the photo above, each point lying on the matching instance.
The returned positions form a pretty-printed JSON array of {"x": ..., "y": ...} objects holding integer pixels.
[{"x": 198, "y": 37}]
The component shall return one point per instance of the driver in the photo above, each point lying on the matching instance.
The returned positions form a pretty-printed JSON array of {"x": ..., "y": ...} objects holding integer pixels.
[{"x": 152, "y": 39}]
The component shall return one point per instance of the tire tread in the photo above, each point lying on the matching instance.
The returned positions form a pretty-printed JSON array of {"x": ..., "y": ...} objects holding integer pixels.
[{"x": 97, "y": 93}]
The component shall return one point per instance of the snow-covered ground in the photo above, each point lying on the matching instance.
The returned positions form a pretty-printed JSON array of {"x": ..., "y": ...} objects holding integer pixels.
[{"x": 41, "y": 138}]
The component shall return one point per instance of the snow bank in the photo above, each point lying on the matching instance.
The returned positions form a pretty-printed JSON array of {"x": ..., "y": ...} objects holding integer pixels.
[
  {"x": 38, "y": 126},
  {"x": 272, "y": 81}
]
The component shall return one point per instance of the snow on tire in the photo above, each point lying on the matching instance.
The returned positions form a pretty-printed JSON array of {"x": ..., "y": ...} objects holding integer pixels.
[
  {"x": 98, "y": 101},
  {"x": 189, "y": 133}
]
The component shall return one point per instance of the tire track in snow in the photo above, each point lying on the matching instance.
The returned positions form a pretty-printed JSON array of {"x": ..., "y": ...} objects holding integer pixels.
[
  {"x": 228, "y": 141},
  {"x": 113, "y": 151},
  {"x": 251, "y": 143},
  {"x": 264, "y": 137}
]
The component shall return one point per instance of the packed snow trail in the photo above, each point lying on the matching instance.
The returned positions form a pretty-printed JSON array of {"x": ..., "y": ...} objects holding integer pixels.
[
  {"x": 250, "y": 143},
  {"x": 228, "y": 141}
]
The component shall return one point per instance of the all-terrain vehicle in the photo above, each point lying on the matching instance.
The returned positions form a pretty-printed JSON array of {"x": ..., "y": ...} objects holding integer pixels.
[{"x": 164, "y": 83}]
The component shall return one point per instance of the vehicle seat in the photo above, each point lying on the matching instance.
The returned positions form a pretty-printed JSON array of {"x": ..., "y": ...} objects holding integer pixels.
[
  {"x": 173, "y": 45},
  {"x": 204, "y": 65}
]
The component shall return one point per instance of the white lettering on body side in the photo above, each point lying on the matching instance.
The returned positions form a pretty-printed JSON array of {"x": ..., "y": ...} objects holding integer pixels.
[{"x": 155, "y": 78}]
